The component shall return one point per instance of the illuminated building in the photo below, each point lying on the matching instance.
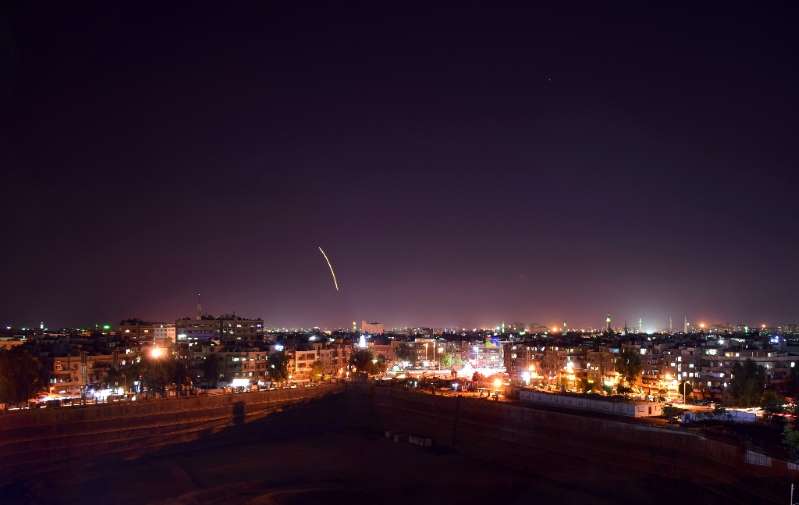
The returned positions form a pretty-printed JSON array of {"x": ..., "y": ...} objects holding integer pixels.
[
  {"x": 236, "y": 328},
  {"x": 715, "y": 373},
  {"x": 518, "y": 359},
  {"x": 226, "y": 328},
  {"x": 372, "y": 328},
  {"x": 333, "y": 360},
  {"x": 9, "y": 343},
  {"x": 136, "y": 330},
  {"x": 147, "y": 332},
  {"x": 71, "y": 375},
  {"x": 197, "y": 330},
  {"x": 164, "y": 333},
  {"x": 249, "y": 365}
]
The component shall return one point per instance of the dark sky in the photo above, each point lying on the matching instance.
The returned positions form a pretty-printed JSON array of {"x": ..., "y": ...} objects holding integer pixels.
[{"x": 459, "y": 166}]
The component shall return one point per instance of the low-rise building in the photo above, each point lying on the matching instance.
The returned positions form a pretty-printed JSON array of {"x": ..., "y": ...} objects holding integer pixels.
[
  {"x": 71, "y": 375},
  {"x": 716, "y": 371},
  {"x": 333, "y": 360}
]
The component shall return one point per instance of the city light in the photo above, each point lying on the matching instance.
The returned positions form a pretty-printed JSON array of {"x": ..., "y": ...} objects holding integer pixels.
[
  {"x": 157, "y": 352},
  {"x": 239, "y": 383}
]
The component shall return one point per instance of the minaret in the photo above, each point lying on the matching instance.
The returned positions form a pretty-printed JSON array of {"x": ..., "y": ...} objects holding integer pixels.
[
  {"x": 671, "y": 326},
  {"x": 685, "y": 324},
  {"x": 607, "y": 324},
  {"x": 199, "y": 307},
  {"x": 640, "y": 325}
]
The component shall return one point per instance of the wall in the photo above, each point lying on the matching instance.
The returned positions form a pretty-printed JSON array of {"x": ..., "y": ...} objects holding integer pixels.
[
  {"x": 618, "y": 408},
  {"x": 41, "y": 439},
  {"x": 573, "y": 448}
]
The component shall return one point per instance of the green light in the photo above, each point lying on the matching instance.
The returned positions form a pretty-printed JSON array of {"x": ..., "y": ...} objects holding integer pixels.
[{"x": 106, "y": 326}]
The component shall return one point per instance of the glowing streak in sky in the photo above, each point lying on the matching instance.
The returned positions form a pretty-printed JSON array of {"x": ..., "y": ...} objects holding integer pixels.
[{"x": 335, "y": 282}]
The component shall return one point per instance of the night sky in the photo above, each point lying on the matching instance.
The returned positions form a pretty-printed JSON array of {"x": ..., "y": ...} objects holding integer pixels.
[{"x": 459, "y": 166}]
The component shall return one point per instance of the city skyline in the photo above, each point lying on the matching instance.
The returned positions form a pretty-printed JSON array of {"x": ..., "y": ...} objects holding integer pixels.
[
  {"x": 632, "y": 325},
  {"x": 459, "y": 167},
  {"x": 277, "y": 252}
]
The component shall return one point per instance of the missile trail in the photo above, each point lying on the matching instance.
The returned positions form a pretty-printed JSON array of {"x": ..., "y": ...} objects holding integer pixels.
[{"x": 335, "y": 282}]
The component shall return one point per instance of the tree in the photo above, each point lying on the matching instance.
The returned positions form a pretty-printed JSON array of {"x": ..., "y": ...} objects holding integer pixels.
[
  {"x": 363, "y": 361},
  {"x": 406, "y": 352},
  {"x": 629, "y": 365},
  {"x": 21, "y": 376},
  {"x": 748, "y": 382},
  {"x": 180, "y": 376},
  {"x": 317, "y": 370},
  {"x": 211, "y": 367},
  {"x": 382, "y": 363},
  {"x": 793, "y": 383},
  {"x": 790, "y": 438},
  {"x": 131, "y": 373},
  {"x": 277, "y": 366},
  {"x": 157, "y": 375},
  {"x": 772, "y": 402},
  {"x": 114, "y": 377},
  {"x": 450, "y": 360}
]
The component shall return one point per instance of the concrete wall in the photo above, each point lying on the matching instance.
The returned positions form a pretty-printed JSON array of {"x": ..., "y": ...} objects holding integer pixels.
[
  {"x": 616, "y": 408},
  {"x": 41, "y": 439},
  {"x": 558, "y": 445}
]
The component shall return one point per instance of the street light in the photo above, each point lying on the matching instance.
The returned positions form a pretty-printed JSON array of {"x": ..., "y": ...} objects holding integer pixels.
[{"x": 157, "y": 352}]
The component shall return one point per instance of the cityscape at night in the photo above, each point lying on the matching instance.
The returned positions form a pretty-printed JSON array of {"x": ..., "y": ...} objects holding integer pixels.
[{"x": 367, "y": 253}]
